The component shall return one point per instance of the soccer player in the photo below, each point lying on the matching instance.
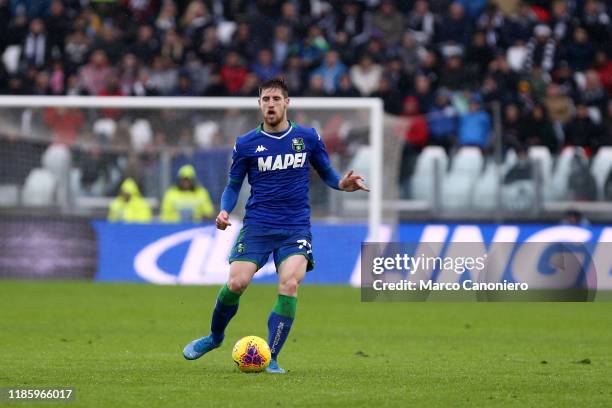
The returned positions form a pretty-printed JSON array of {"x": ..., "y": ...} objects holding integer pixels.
[{"x": 275, "y": 157}]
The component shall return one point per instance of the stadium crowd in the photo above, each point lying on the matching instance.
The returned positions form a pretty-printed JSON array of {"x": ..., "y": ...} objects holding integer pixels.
[
  {"x": 547, "y": 61},
  {"x": 439, "y": 63}
]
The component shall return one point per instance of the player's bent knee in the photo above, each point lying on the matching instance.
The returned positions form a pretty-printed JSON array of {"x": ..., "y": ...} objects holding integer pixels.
[
  {"x": 237, "y": 284},
  {"x": 289, "y": 287}
]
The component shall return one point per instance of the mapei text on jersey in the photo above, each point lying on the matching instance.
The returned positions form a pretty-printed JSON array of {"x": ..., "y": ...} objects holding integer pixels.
[{"x": 281, "y": 161}]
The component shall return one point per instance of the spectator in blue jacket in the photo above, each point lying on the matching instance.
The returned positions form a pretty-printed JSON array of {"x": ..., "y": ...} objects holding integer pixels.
[
  {"x": 475, "y": 126},
  {"x": 331, "y": 70},
  {"x": 442, "y": 121}
]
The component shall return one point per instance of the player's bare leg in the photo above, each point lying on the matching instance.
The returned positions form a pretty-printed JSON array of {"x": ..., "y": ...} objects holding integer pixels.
[
  {"x": 226, "y": 306},
  {"x": 291, "y": 272}
]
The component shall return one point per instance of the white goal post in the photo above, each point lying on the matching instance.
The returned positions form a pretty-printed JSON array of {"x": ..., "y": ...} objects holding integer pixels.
[{"x": 373, "y": 105}]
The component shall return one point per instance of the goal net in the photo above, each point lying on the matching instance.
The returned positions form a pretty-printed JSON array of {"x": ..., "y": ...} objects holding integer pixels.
[{"x": 68, "y": 155}]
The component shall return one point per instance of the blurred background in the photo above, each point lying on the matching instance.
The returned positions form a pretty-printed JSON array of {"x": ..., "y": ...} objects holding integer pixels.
[{"x": 494, "y": 112}]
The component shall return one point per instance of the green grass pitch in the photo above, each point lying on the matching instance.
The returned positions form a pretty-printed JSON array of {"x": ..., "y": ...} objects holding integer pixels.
[{"x": 119, "y": 345}]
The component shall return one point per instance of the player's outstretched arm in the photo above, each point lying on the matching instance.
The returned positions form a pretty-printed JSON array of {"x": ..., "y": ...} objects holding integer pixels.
[{"x": 352, "y": 182}]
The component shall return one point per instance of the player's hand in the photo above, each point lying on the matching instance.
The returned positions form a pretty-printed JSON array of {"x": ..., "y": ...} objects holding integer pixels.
[
  {"x": 351, "y": 182},
  {"x": 222, "y": 220}
]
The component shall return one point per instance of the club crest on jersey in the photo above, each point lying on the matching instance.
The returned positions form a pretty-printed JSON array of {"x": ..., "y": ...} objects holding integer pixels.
[
  {"x": 240, "y": 248},
  {"x": 297, "y": 144}
]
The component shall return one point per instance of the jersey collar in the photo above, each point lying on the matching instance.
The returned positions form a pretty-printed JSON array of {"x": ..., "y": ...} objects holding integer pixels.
[{"x": 291, "y": 126}]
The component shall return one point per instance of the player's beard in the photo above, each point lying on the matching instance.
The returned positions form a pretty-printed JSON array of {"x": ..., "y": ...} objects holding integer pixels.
[{"x": 276, "y": 119}]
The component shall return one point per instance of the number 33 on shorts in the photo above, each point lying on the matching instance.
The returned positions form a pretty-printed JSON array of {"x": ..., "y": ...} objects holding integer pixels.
[{"x": 305, "y": 244}]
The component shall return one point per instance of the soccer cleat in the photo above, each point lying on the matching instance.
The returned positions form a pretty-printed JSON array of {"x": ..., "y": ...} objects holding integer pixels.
[
  {"x": 199, "y": 347},
  {"x": 273, "y": 368}
]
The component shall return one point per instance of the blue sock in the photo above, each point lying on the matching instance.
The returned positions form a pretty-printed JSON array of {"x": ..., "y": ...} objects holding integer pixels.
[
  {"x": 278, "y": 330},
  {"x": 225, "y": 308},
  {"x": 279, "y": 323}
]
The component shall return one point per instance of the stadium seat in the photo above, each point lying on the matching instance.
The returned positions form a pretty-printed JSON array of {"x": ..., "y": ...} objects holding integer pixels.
[
  {"x": 558, "y": 184},
  {"x": 538, "y": 155},
  {"x": 519, "y": 195},
  {"x": 458, "y": 185},
  {"x": 204, "y": 134},
  {"x": 105, "y": 127},
  {"x": 467, "y": 162},
  {"x": 541, "y": 157},
  {"x": 457, "y": 191},
  {"x": 9, "y": 195},
  {"x": 600, "y": 168},
  {"x": 360, "y": 164},
  {"x": 509, "y": 160},
  {"x": 39, "y": 188},
  {"x": 422, "y": 181},
  {"x": 141, "y": 134},
  {"x": 485, "y": 191},
  {"x": 75, "y": 182},
  {"x": 57, "y": 159}
]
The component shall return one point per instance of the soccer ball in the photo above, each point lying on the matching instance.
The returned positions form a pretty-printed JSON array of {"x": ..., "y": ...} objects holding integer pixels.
[{"x": 251, "y": 354}]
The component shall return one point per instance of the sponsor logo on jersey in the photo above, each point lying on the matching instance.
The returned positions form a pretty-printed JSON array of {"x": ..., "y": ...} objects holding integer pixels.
[
  {"x": 297, "y": 144},
  {"x": 281, "y": 161},
  {"x": 260, "y": 148}
]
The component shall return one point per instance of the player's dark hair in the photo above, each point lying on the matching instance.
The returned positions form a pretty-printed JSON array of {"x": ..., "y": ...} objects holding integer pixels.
[{"x": 278, "y": 83}]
